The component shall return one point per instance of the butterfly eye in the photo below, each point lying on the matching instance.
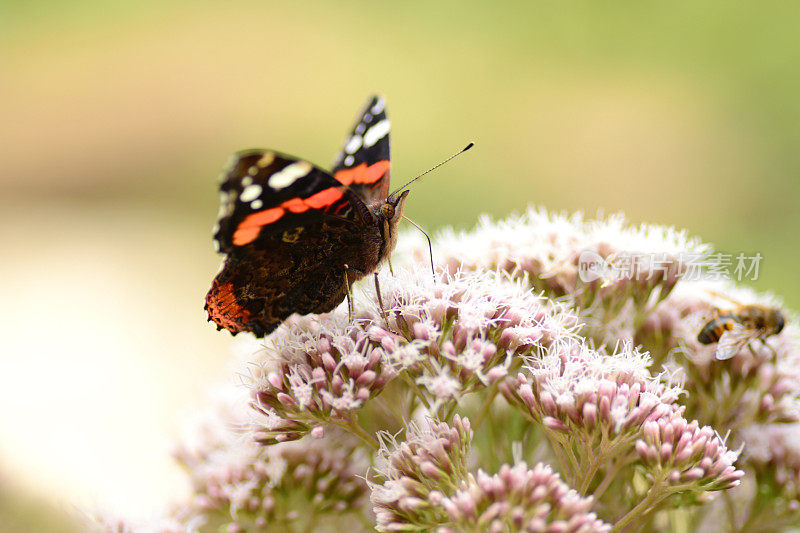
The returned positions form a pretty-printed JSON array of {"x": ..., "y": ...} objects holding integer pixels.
[{"x": 387, "y": 210}]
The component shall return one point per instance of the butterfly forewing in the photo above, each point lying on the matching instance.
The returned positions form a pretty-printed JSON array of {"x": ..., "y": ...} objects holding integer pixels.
[
  {"x": 364, "y": 161},
  {"x": 264, "y": 193}
]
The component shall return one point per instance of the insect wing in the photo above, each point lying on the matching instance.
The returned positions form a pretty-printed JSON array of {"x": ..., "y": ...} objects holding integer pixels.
[
  {"x": 363, "y": 164},
  {"x": 265, "y": 193},
  {"x": 734, "y": 340}
]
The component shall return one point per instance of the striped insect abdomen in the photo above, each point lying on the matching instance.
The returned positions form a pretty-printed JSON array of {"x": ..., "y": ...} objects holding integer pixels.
[{"x": 715, "y": 327}]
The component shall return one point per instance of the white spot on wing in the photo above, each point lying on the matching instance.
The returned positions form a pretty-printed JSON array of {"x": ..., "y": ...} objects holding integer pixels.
[
  {"x": 252, "y": 170},
  {"x": 376, "y": 132},
  {"x": 250, "y": 193},
  {"x": 353, "y": 144},
  {"x": 378, "y": 107},
  {"x": 348, "y": 160},
  {"x": 265, "y": 160},
  {"x": 225, "y": 204},
  {"x": 256, "y": 204},
  {"x": 247, "y": 180},
  {"x": 289, "y": 175},
  {"x": 360, "y": 128}
]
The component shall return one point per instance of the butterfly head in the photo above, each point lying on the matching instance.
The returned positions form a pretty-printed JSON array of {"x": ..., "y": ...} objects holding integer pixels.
[
  {"x": 392, "y": 208},
  {"x": 390, "y": 212}
]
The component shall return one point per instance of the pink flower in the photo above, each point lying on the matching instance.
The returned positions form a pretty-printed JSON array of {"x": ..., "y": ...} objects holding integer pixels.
[
  {"x": 687, "y": 455},
  {"x": 425, "y": 485},
  {"x": 519, "y": 498},
  {"x": 240, "y": 484},
  {"x": 415, "y": 473}
]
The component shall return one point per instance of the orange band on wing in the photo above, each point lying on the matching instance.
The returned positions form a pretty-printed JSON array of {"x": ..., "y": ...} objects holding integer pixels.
[
  {"x": 248, "y": 229},
  {"x": 295, "y": 205},
  {"x": 323, "y": 198},
  {"x": 363, "y": 174}
]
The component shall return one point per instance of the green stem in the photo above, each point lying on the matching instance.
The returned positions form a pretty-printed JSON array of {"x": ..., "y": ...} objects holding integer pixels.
[
  {"x": 352, "y": 424},
  {"x": 419, "y": 394},
  {"x": 487, "y": 407},
  {"x": 641, "y": 510},
  {"x": 590, "y": 472},
  {"x": 563, "y": 450},
  {"x": 557, "y": 451},
  {"x": 730, "y": 511},
  {"x": 608, "y": 478},
  {"x": 450, "y": 411}
]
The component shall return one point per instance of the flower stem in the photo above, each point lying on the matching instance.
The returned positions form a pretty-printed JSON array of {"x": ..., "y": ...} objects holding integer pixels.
[
  {"x": 417, "y": 392},
  {"x": 635, "y": 515},
  {"x": 352, "y": 424},
  {"x": 487, "y": 407}
]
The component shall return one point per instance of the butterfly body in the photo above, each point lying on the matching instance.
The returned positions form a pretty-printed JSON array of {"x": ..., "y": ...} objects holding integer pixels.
[{"x": 296, "y": 237}]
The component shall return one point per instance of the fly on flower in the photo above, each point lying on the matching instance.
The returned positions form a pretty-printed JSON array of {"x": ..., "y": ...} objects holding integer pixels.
[
  {"x": 295, "y": 237},
  {"x": 735, "y": 328}
]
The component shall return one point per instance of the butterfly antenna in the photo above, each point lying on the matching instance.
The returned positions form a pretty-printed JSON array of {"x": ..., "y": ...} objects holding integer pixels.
[
  {"x": 430, "y": 247},
  {"x": 467, "y": 147}
]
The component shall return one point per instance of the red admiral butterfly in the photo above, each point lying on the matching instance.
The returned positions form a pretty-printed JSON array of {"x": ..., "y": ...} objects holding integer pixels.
[{"x": 295, "y": 237}]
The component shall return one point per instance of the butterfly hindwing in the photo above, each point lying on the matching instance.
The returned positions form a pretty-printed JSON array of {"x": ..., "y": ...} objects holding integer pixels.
[
  {"x": 363, "y": 164},
  {"x": 265, "y": 193},
  {"x": 301, "y": 271}
]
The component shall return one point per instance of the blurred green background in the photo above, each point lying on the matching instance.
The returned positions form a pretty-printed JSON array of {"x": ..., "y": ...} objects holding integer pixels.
[{"x": 117, "y": 118}]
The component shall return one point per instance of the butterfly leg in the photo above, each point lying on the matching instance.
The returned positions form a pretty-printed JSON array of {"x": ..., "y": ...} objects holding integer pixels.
[
  {"x": 349, "y": 295},
  {"x": 380, "y": 300}
]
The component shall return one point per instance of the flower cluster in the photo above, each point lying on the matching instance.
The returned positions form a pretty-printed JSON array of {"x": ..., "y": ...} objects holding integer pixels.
[
  {"x": 242, "y": 485},
  {"x": 541, "y": 340},
  {"x": 416, "y": 472},
  {"x": 519, "y": 498},
  {"x": 462, "y": 332},
  {"x": 255, "y": 487},
  {"x": 446, "y": 336},
  {"x": 239, "y": 485},
  {"x": 772, "y": 457},
  {"x": 689, "y": 457},
  {"x": 577, "y": 388},
  {"x": 312, "y": 373},
  {"x": 425, "y": 485},
  {"x": 588, "y": 400},
  {"x": 613, "y": 273}
]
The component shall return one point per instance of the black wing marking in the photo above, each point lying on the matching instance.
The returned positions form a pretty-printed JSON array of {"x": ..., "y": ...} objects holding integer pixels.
[
  {"x": 363, "y": 164},
  {"x": 264, "y": 193}
]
